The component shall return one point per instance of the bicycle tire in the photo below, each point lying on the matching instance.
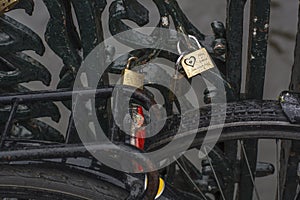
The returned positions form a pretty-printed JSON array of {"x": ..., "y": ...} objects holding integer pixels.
[
  {"x": 247, "y": 115},
  {"x": 249, "y": 119},
  {"x": 42, "y": 182}
]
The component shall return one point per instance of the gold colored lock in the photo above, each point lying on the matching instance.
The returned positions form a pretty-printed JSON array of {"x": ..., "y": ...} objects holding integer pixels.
[
  {"x": 196, "y": 62},
  {"x": 132, "y": 78},
  {"x": 6, "y": 5}
]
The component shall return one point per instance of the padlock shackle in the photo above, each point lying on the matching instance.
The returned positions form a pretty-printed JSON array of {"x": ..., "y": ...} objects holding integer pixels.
[
  {"x": 177, "y": 64},
  {"x": 190, "y": 37},
  {"x": 196, "y": 40},
  {"x": 129, "y": 61}
]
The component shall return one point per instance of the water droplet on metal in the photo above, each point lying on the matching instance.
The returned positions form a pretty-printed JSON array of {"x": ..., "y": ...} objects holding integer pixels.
[{"x": 255, "y": 19}]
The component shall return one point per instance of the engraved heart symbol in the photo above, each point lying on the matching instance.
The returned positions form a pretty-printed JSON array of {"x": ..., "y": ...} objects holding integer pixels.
[{"x": 190, "y": 61}]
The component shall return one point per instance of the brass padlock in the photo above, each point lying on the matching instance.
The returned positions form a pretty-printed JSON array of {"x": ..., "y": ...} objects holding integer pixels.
[
  {"x": 196, "y": 62},
  {"x": 6, "y": 5},
  {"x": 132, "y": 78}
]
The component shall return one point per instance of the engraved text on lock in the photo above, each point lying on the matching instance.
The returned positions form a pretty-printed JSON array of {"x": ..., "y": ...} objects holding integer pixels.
[{"x": 197, "y": 62}]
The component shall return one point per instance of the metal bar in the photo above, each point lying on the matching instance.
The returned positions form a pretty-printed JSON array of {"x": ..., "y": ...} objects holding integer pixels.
[
  {"x": 114, "y": 130},
  {"x": 13, "y": 141},
  {"x": 8, "y": 124},
  {"x": 295, "y": 76},
  {"x": 59, "y": 95},
  {"x": 289, "y": 171},
  {"x": 50, "y": 152},
  {"x": 250, "y": 170},
  {"x": 63, "y": 95},
  {"x": 72, "y": 136},
  {"x": 181, "y": 22},
  {"x": 69, "y": 130},
  {"x": 246, "y": 183},
  {"x": 234, "y": 36},
  {"x": 59, "y": 151},
  {"x": 257, "y": 48},
  {"x": 257, "y": 53},
  {"x": 290, "y": 156}
]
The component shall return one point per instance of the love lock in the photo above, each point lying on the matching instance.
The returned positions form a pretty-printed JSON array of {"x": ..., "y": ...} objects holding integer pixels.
[
  {"x": 7, "y": 5},
  {"x": 132, "y": 78},
  {"x": 195, "y": 62}
]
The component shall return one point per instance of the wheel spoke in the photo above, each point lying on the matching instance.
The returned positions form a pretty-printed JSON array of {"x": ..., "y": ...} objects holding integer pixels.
[
  {"x": 297, "y": 193},
  {"x": 249, "y": 168},
  {"x": 298, "y": 186},
  {"x": 191, "y": 180},
  {"x": 278, "y": 169},
  {"x": 215, "y": 175}
]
